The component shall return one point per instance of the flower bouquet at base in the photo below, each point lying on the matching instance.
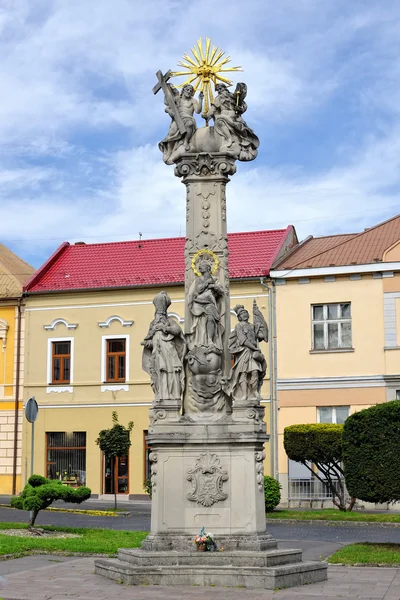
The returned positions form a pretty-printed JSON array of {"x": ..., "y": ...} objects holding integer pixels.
[{"x": 205, "y": 541}]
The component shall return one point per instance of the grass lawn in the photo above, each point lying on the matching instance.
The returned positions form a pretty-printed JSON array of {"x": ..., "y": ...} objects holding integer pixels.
[
  {"x": 367, "y": 553},
  {"x": 332, "y": 514},
  {"x": 98, "y": 541}
]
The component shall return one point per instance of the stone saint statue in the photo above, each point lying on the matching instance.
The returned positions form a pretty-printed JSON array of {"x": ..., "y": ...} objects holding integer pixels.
[
  {"x": 177, "y": 142},
  {"x": 204, "y": 303},
  {"x": 163, "y": 352},
  {"x": 226, "y": 110},
  {"x": 249, "y": 366}
]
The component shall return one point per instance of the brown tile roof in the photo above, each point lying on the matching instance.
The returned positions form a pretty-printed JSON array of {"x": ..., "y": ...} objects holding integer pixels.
[
  {"x": 349, "y": 249},
  {"x": 14, "y": 272}
]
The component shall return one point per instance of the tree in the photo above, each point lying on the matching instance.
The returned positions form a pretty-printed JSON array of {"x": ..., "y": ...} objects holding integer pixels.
[
  {"x": 371, "y": 442},
  {"x": 115, "y": 442},
  {"x": 40, "y": 492},
  {"x": 320, "y": 445}
]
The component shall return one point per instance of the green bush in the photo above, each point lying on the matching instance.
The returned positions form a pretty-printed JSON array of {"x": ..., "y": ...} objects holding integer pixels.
[
  {"x": 272, "y": 493},
  {"x": 148, "y": 487},
  {"x": 40, "y": 492},
  {"x": 371, "y": 443}
]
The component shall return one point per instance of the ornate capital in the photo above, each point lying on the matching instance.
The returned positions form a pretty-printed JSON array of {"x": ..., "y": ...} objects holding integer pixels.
[{"x": 204, "y": 164}]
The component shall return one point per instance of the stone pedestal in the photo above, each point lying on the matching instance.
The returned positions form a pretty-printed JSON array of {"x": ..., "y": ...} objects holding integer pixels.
[{"x": 208, "y": 446}]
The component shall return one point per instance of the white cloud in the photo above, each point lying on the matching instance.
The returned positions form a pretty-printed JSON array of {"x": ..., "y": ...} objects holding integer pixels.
[{"x": 78, "y": 121}]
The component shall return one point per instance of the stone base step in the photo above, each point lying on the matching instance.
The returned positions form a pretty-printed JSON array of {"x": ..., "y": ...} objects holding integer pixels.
[
  {"x": 271, "y": 558},
  {"x": 288, "y": 575}
]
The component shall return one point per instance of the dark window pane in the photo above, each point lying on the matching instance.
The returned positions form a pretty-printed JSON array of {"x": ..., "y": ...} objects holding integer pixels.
[
  {"x": 111, "y": 367},
  {"x": 318, "y": 336},
  {"x": 66, "y": 457},
  {"x": 333, "y": 335},
  {"x": 345, "y": 311},
  {"x": 66, "y": 369},
  {"x": 122, "y": 485},
  {"x": 342, "y": 412},
  {"x": 346, "y": 335},
  {"x": 116, "y": 345},
  {"x": 56, "y": 369},
  {"x": 325, "y": 415},
  {"x": 333, "y": 311},
  {"x": 121, "y": 367},
  {"x": 318, "y": 313},
  {"x": 123, "y": 466},
  {"x": 62, "y": 347}
]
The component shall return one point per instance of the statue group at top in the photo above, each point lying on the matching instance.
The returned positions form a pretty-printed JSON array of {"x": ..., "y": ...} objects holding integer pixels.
[
  {"x": 210, "y": 368},
  {"x": 230, "y": 133}
]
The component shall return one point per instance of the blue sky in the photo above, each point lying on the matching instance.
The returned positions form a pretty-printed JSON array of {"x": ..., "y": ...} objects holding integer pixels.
[{"x": 79, "y": 125}]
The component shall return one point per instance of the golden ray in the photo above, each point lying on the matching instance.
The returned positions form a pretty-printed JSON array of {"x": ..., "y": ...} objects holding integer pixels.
[{"x": 205, "y": 69}]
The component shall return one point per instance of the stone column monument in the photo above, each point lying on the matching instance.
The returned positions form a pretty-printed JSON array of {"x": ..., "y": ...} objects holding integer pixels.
[{"x": 207, "y": 429}]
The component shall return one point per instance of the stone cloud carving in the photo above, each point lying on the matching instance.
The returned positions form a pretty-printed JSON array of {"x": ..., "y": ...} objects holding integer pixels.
[{"x": 207, "y": 479}]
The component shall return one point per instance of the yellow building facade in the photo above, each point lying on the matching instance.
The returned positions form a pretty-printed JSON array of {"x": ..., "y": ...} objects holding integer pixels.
[
  {"x": 13, "y": 273},
  {"x": 338, "y": 335},
  {"x": 83, "y": 358}
]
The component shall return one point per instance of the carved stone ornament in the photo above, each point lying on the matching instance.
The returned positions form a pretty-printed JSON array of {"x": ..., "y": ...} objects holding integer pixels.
[
  {"x": 153, "y": 457},
  {"x": 207, "y": 479},
  {"x": 204, "y": 163},
  {"x": 260, "y": 456}
]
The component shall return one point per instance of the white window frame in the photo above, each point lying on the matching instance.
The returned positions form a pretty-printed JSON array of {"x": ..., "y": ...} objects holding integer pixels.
[
  {"x": 325, "y": 322},
  {"x": 55, "y": 387},
  {"x": 111, "y": 387},
  {"x": 334, "y": 416}
]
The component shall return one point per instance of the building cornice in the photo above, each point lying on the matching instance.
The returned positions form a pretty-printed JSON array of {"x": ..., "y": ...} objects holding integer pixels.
[{"x": 335, "y": 270}]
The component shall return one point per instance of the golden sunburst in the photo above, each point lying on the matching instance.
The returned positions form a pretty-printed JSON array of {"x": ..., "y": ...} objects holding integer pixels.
[{"x": 205, "y": 69}]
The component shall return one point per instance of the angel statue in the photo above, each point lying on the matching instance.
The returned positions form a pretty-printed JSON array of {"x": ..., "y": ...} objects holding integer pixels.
[
  {"x": 226, "y": 110},
  {"x": 249, "y": 367},
  {"x": 163, "y": 352}
]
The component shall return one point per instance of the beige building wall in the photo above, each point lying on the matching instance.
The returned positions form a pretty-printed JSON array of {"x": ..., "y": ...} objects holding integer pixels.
[
  {"x": 359, "y": 377},
  {"x": 86, "y": 404}
]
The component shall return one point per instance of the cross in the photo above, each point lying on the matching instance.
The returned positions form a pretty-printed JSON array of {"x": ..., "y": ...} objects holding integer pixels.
[{"x": 162, "y": 85}]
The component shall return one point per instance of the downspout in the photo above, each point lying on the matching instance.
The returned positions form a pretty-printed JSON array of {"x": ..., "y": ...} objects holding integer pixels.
[
  {"x": 17, "y": 377},
  {"x": 272, "y": 378}
]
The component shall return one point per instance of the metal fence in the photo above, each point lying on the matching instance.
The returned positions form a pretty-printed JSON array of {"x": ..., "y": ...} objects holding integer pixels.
[{"x": 308, "y": 490}]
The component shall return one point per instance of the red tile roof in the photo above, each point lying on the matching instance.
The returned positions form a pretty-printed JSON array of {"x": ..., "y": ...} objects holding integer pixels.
[
  {"x": 148, "y": 262},
  {"x": 362, "y": 248}
]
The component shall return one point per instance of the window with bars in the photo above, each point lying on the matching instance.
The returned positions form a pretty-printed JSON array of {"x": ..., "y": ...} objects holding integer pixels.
[
  {"x": 66, "y": 457},
  {"x": 61, "y": 362},
  {"x": 116, "y": 360},
  {"x": 331, "y": 326},
  {"x": 333, "y": 414}
]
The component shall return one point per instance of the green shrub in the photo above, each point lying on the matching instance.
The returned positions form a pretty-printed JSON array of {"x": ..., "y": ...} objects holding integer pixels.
[
  {"x": 40, "y": 492},
  {"x": 272, "y": 493},
  {"x": 148, "y": 487},
  {"x": 371, "y": 443}
]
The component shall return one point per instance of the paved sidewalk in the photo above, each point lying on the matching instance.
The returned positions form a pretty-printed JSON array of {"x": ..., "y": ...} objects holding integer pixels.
[{"x": 75, "y": 579}]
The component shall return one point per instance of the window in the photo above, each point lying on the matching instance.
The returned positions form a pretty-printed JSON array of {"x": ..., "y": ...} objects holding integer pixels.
[
  {"x": 331, "y": 326},
  {"x": 147, "y": 463},
  {"x": 61, "y": 362},
  {"x": 66, "y": 457},
  {"x": 116, "y": 360},
  {"x": 397, "y": 394},
  {"x": 333, "y": 414}
]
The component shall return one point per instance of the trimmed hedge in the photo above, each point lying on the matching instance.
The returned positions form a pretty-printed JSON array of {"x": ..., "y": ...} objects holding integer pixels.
[
  {"x": 272, "y": 493},
  {"x": 316, "y": 443},
  {"x": 371, "y": 453}
]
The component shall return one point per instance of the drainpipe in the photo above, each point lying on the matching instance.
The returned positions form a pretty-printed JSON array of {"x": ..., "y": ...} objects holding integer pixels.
[
  {"x": 17, "y": 377},
  {"x": 272, "y": 378}
]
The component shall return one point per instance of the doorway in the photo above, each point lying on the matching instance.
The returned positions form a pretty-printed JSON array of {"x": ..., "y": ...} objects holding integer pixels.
[{"x": 116, "y": 475}]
